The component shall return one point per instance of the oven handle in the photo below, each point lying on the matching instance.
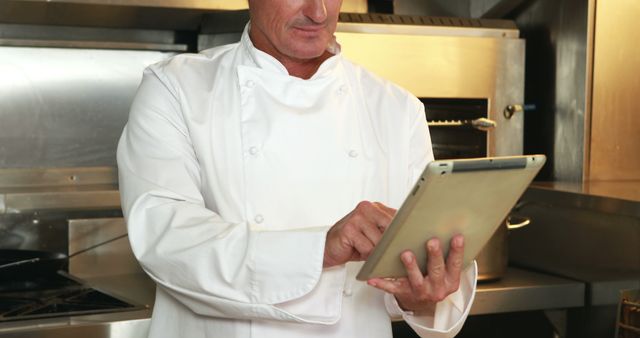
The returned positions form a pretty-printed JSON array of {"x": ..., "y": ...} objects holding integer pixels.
[
  {"x": 511, "y": 109},
  {"x": 482, "y": 123}
]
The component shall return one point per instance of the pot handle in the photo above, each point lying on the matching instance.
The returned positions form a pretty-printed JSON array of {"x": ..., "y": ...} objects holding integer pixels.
[{"x": 520, "y": 221}]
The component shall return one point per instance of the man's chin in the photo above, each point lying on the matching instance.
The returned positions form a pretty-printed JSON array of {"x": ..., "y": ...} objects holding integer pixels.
[{"x": 309, "y": 53}]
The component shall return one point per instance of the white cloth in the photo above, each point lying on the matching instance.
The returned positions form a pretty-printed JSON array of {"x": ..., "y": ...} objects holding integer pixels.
[{"x": 231, "y": 172}]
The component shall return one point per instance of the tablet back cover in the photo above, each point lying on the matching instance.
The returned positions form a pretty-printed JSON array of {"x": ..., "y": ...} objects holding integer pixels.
[{"x": 471, "y": 197}]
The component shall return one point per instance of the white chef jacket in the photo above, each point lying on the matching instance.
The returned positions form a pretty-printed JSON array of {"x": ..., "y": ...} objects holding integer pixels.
[{"x": 231, "y": 173}]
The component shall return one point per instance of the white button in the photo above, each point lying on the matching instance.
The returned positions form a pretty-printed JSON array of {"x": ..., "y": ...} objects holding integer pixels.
[
  {"x": 353, "y": 153},
  {"x": 259, "y": 219},
  {"x": 347, "y": 292},
  {"x": 342, "y": 89},
  {"x": 253, "y": 150},
  {"x": 250, "y": 84}
]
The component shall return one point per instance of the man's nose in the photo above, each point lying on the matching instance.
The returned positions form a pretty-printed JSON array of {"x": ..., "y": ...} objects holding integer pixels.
[{"x": 316, "y": 10}]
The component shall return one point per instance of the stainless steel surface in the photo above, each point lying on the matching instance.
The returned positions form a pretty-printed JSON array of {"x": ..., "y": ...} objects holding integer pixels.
[
  {"x": 36, "y": 32},
  {"x": 607, "y": 292},
  {"x": 94, "y": 45},
  {"x": 21, "y": 179},
  {"x": 557, "y": 81},
  {"x": 458, "y": 8},
  {"x": 199, "y": 4},
  {"x": 105, "y": 327},
  {"x": 439, "y": 66},
  {"x": 206, "y": 41},
  {"x": 609, "y": 197},
  {"x": 428, "y": 30},
  {"x": 350, "y": 5},
  {"x": 572, "y": 90},
  {"x": 99, "y": 15},
  {"x": 614, "y": 112},
  {"x": 503, "y": 8},
  {"x": 523, "y": 290},
  {"x": 94, "y": 199},
  {"x": 66, "y": 107},
  {"x": 137, "y": 288},
  {"x": 494, "y": 258},
  {"x": 595, "y": 239},
  {"x": 181, "y": 15},
  {"x": 24, "y": 191},
  {"x": 112, "y": 258},
  {"x": 355, "y": 6}
]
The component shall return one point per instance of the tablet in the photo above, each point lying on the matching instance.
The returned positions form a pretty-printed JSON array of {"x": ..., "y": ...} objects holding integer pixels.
[{"x": 471, "y": 197}]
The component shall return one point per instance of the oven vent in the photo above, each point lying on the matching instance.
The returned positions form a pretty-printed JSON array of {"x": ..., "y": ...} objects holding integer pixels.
[
  {"x": 425, "y": 25},
  {"x": 395, "y": 19},
  {"x": 459, "y": 127}
]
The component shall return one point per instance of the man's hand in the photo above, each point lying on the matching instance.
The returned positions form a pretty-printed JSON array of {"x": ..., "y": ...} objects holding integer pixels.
[
  {"x": 355, "y": 235},
  {"x": 420, "y": 293}
]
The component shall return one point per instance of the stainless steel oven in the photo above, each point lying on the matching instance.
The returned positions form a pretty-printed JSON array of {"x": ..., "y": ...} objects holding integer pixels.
[{"x": 469, "y": 73}]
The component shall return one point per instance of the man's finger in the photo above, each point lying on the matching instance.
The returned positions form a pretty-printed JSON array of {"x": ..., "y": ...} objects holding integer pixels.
[
  {"x": 454, "y": 260},
  {"x": 414, "y": 275},
  {"x": 372, "y": 232},
  {"x": 393, "y": 286},
  {"x": 387, "y": 210},
  {"x": 375, "y": 214},
  {"x": 435, "y": 262},
  {"x": 363, "y": 245}
]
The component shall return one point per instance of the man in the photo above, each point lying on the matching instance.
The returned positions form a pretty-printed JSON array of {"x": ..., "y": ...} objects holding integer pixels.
[{"x": 237, "y": 168}]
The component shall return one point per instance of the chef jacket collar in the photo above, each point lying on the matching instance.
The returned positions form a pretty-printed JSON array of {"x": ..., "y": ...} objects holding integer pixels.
[{"x": 269, "y": 63}]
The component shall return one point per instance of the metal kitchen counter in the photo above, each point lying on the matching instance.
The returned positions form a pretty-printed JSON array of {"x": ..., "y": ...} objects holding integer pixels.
[
  {"x": 586, "y": 231},
  {"x": 616, "y": 197},
  {"x": 519, "y": 290},
  {"x": 524, "y": 290}
]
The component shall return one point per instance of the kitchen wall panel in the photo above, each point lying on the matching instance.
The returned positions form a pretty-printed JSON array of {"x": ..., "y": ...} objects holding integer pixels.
[
  {"x": 615, "y": 117},
  {"x": 66, "y": 107}
]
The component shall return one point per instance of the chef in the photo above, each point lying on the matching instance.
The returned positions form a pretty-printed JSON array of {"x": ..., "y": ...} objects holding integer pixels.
[{"x": 256, "y": 177}]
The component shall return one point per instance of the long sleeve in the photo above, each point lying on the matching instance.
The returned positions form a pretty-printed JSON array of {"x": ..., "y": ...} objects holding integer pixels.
[
  {"x": 450, "y": 313},
  {"x": 214, "y": 266}
]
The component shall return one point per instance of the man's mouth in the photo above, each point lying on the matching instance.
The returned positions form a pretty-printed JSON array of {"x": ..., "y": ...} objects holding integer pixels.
[{"x": 310, "y": 29}]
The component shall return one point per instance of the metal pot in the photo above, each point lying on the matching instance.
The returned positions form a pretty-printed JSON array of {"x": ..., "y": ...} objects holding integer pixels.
[{"x": 494, "y": 257}]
